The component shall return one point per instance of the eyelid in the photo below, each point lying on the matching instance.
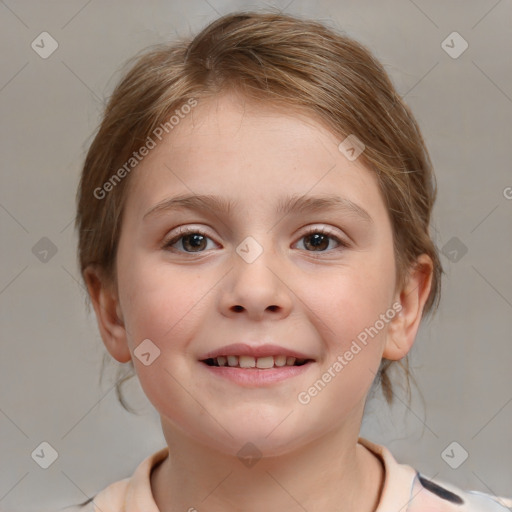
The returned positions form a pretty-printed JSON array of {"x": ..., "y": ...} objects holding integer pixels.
[
  {"x": 343, "y": 241},
  {"x": 181, "y": 231},
  {"x": 320, "y": 228}
]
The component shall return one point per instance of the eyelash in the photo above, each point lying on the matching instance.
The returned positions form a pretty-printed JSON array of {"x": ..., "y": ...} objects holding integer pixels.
[{"x": 182, "y": 232}]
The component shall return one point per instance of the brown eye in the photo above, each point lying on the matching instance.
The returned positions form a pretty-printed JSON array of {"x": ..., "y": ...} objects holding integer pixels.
[
  {"x": 188, "y": 241},
  {"x": 318, "y": 240}
]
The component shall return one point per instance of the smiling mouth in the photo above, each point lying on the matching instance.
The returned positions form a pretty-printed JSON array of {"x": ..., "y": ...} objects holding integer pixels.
[{"x": 248, "y": 362}]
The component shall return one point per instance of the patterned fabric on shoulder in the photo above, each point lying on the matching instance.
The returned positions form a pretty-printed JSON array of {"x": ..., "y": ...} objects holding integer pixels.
[{"x": 428, "y": 495}]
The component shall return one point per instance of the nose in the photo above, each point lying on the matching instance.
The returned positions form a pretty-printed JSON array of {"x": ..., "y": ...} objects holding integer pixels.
[{"x": 257, "y": 290}]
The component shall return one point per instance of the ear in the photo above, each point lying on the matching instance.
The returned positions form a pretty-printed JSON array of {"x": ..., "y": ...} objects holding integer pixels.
[
  {"x": 402, "y": 329},
  {"x": 108, "y": 314}
]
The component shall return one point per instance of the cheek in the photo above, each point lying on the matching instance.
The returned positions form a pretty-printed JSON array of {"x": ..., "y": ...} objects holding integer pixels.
[
  {"x": 164, "y": 307},
  {"x": 156, "y": 302},
  {"x": 353, "y": 306},
  {"x": 167, "y": 305},
  {"x": 354, "y": 343}
]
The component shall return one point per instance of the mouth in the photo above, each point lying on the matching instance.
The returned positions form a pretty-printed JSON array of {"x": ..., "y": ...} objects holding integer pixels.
[
  {"x": 249, "y": 362},
  {"x": 253, "y": 366}
]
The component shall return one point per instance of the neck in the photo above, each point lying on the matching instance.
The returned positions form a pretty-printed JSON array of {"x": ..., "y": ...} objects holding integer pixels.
[{"x": 330, "y": 473}]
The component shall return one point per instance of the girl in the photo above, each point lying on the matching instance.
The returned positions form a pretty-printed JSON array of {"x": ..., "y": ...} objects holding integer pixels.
[{"x": 253, "y": 221}]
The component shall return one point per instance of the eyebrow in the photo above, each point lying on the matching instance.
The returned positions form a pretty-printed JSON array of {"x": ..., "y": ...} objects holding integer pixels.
[{"x": 290, "y": 204}]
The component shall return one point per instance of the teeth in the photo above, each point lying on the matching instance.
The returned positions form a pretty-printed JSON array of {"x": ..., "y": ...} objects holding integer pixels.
[
  {"x": 258, "y": 362},
  {"x": 280, "y": 360},
  {"x": 247, "y": 362},
  {"x": 232, "y": 360},
  {"x": 265, "y": 362}
]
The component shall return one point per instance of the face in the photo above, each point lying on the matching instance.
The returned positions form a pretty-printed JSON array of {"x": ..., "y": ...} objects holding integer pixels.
[{"x": 195, "y": 278}]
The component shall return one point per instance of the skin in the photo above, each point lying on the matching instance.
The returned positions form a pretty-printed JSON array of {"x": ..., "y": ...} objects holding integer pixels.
[{"x": 291, "y": 295}]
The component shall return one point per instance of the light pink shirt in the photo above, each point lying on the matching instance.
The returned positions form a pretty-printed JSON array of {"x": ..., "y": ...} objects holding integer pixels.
[{"x": 405, "y": 490}]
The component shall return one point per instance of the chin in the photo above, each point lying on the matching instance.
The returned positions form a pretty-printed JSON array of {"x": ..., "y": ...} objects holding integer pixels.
[{"x": 258, "y": 440}]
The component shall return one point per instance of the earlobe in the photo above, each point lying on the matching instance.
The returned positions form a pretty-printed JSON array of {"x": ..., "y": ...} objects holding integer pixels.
[
  {"x": 108, "y": 314},
  {"x": 403, "y": 328}
]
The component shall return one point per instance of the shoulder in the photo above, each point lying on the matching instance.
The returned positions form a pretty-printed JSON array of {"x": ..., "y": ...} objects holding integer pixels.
[
  {"x": 110, "y": 499},
  {"x": 429, "y": 494},
  {"x": 131, "y": 493},
  {"x": 408, "y": 490},
  {"x": 86, "y": 506}
]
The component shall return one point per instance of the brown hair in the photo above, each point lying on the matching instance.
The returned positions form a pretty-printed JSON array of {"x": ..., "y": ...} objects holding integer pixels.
[{"x": 281, "y": 60}]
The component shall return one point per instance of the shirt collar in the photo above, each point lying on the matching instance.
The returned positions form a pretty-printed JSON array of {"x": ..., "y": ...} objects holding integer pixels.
[
  {"x": 398, "y": 479},
  {"x": 396, "y": 492}
]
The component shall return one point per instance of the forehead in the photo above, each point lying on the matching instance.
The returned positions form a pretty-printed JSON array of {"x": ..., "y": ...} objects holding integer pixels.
[
  {"x": 230, "y": 146},
  {"x": 233, "y": 126}
]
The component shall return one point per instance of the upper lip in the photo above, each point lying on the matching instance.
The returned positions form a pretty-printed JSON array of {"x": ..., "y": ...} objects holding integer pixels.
[{"x": 242, "y": 349}]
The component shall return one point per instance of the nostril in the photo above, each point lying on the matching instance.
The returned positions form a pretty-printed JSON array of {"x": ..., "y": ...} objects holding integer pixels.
[{"x": 238, "y": 308}]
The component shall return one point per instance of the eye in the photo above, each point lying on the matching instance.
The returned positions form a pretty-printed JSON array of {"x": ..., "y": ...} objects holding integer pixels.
[
  {"x": 319, "y": 239},
  {"x": 190, "y": 239}
]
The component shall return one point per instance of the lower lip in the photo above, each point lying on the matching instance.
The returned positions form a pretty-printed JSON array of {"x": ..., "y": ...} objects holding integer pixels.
[{"x": 257, "y": 376}]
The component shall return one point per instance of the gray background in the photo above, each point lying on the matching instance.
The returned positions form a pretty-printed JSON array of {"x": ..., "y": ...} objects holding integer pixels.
[{"x": 51, "y": 349}]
